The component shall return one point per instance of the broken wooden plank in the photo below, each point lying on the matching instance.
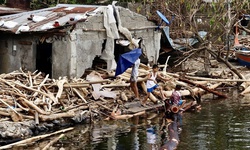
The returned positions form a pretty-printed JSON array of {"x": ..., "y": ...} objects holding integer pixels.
[{"x": 203, "y": 87}]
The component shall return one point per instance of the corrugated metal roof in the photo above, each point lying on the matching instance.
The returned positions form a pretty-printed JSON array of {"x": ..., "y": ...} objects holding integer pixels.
[{"x": 44, "y": 19}]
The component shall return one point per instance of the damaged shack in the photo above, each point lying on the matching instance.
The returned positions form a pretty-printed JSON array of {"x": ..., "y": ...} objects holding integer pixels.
[{"x": 66, "y": 39}]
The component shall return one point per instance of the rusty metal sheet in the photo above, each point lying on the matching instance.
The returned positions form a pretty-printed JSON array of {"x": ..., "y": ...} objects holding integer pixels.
[
  {"x": 69, "y": 10},
  {"x": 61, "y": 13}
]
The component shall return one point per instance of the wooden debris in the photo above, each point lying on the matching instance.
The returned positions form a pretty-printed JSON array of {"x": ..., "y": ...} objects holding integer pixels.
[
  {"x": 33, "y": 139},
  {"x": 203, "y": 87},
  {"x": 33, "y": 96}
]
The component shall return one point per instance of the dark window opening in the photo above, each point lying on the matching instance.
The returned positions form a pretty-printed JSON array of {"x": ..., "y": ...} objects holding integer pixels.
[
  {"x": 99, "y": 63},
  {"x": 119, "y": 50},
  {"x": 44, "y": 58}
]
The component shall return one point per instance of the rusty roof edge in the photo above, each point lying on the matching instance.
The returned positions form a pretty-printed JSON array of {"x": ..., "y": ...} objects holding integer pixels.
[
  {"x": 46, "y": 9},
  {"x": 28, "y": 12},
  {"x": 76, "y": 5}
]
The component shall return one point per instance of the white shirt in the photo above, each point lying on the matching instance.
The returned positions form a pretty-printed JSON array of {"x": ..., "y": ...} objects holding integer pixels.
[
  {"x": 135, "y": 71},
  {"x": 151, "y": 83}
]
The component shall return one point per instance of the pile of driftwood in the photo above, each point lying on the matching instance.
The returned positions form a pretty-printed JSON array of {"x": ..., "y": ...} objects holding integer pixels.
[
  {"x": 33, "y": 96},
  {"x": 26, "y": 95}
]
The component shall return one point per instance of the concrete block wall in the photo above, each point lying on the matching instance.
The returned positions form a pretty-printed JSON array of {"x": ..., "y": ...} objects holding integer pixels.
[
  {"x": 4, "y": 55},
  {"x": 87, "y": 50},
  {"x": 61, "y": 58},
  {"x": 133, "y": 20},
  {"x": 16, "y": 52},
  {"x": 88, "y": 44}
]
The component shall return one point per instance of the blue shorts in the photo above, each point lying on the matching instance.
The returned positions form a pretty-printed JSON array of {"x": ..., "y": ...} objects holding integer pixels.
[
  {"x": 180, "y": 102},
  {"x": 152, "y": 88}
]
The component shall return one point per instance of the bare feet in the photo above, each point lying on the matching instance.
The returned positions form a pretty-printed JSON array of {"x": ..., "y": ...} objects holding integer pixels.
[
  {"x": 136, "y": 99},
  {"x": 143, "y": 104}
]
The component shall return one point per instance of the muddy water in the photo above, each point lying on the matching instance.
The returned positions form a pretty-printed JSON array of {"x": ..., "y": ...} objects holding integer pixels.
[{"x": 222, "y": 124}]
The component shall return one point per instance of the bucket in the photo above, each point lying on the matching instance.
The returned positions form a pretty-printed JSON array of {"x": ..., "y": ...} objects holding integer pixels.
[{"x": 175, "y": 109}]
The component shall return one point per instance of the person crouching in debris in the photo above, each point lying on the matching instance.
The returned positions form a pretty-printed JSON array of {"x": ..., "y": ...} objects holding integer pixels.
[
  {"x": 177, "y": 106},
  {"x": 134, "y": 77},
  {"x": 175, "y": 98},
  {"x": 152, "y": 83}
]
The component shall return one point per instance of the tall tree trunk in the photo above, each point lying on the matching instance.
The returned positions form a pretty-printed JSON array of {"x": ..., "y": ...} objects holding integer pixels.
[{"x": 228, "y": 27}]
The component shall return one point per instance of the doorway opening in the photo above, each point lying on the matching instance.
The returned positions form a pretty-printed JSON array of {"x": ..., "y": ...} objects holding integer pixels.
[{"x": 44, "y": 58}]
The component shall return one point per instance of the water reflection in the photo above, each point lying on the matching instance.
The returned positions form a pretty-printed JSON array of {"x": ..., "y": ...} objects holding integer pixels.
[
  {"x": 222, "y": 124},
  {"x": 151, "y": 137}
]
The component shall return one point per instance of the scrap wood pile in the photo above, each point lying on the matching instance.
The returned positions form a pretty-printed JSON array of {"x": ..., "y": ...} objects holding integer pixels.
[{"x": 33, "y": 96}]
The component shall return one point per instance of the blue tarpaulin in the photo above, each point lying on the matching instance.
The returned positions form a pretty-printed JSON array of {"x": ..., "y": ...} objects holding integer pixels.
[{"x": 127, "y": 60}]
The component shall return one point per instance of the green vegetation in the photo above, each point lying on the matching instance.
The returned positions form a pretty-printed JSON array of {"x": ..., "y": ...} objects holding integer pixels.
[{"x": 2, "y": 2}]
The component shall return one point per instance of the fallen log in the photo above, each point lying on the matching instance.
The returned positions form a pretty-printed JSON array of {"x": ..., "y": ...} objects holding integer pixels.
[
  {"x": 243, "y": 86},
  {"x": 203, "y": 87},
  {"x": 68, "y": 114},
  {"x": 6, "y": 114},
  {"x": 115, "y": 85},
  {"x": 70, "y": 85},
  {"x": 77, "y": 107},
  {"x": 95, "y": 82},
  {"x": 140, "y": 79},
  {"x": 33, "y": 139},
  {"x": 194, "y": 90},
  {"x": 217, "y": 80}
]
